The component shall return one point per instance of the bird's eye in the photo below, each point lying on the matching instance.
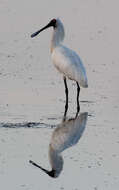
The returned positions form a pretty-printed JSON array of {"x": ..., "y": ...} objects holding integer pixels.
[{"x": 54, "y": 20}]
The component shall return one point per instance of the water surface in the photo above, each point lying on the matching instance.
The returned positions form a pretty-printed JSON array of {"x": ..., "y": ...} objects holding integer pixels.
[{"x": 32, "y": 95}]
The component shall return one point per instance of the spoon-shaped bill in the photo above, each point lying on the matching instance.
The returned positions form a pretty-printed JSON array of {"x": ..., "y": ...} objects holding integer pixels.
[
  {"x": 35, "y": 34},
  {"x": 50, "y": 173},
  {"x": 47, "y": 26}
]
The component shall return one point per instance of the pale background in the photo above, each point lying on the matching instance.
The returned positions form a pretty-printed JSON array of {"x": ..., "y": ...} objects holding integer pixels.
[{"x": 31, "y": 90}]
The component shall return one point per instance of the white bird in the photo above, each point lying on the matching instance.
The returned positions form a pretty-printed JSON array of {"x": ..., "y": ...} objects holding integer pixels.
[
  {"x": 64, "y": 136},
  {"x": 65, "y": 60}
]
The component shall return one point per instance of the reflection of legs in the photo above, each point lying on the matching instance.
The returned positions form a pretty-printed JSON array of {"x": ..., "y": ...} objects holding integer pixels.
[
  {"x": 66, "y": 92},
  {"x": 78, "y": 105}
]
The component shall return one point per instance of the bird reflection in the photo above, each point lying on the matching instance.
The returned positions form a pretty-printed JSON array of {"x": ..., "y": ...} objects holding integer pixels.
[{"x": 64, "y": 136}]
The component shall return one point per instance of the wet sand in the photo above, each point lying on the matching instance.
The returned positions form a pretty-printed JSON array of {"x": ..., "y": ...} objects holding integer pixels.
[{"x": 32, "y": 91}]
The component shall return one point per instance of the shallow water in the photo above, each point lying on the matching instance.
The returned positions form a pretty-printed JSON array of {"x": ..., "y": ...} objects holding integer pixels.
[{"x": 32, "y": 95}]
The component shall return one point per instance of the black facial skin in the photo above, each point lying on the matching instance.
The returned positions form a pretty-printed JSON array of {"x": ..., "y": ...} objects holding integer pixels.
[
  {"x": 52, "y": 23},
  {"x": 52, "y": 173}
]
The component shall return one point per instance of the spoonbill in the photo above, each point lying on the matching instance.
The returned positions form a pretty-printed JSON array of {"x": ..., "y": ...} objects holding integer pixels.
[
  {"x": 66, "y": 61},
  {"x": 64, "y": 136}
]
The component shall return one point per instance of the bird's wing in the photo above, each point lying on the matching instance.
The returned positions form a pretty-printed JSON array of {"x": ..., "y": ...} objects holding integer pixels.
[
  {"x": 69, "y": 132},
  {"x": 70, "y": 64}
]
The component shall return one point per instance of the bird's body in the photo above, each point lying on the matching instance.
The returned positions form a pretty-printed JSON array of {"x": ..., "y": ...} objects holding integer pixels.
[
  {"x": 69, "y": 64},
  {"x": 65, "y": 60}
]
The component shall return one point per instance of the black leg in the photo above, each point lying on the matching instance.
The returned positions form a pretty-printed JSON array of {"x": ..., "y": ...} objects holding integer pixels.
[
  {"x": 66, "y": 92},
  {"x": 78, "y": 105}
]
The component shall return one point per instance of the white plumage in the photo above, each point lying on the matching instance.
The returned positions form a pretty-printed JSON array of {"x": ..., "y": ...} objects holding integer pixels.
[
  {"x": 69, "y": 64},
  {"x": 64, "y": 59}
]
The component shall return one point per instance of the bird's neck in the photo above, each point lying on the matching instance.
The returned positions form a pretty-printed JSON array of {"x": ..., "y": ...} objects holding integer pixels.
[
  {"x": 57, "y": 37},
  {"x": 56, "y": 160}
]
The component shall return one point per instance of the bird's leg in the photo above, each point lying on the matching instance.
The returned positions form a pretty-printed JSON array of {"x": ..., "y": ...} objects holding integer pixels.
[
  {"x": 78, "y": 105},
  {"x": 66, "y": 92}
]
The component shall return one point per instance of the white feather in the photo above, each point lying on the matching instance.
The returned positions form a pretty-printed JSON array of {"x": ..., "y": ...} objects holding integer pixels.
[
  {"x": 66, "y": 60},
  {"x": 69, "y": 64}
]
